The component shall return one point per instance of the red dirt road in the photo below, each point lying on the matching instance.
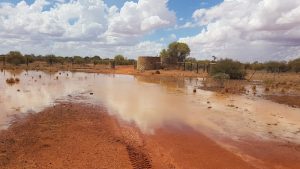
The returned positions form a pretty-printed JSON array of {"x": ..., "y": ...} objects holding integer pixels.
[{"x": 83, "y": 136}]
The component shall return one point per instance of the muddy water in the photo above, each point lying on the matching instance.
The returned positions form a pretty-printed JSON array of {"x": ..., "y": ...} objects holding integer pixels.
[{"x": 152, "y": 103}]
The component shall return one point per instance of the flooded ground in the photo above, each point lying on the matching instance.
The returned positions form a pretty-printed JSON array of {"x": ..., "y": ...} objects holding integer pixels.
[
  {"x": 155, "y": 103},
  {"x": 152, "y": 103}
]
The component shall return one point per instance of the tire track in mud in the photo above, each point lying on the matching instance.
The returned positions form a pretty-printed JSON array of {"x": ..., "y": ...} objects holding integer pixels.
[
  {"x": 135, "y": 146},
  {"x": 138, "y": 159}
]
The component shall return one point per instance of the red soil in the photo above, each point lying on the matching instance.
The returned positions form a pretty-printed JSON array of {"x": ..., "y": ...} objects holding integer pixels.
[{"x": 83, "y": 136}]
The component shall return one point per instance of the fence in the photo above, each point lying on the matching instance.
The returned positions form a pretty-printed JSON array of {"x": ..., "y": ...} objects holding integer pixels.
[
  {"x": 185, "y": 66},
  {"x": 193, "y": 66}
]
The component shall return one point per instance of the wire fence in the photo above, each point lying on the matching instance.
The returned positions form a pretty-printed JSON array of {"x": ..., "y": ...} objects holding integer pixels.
[{"x": 185, "y": 66}]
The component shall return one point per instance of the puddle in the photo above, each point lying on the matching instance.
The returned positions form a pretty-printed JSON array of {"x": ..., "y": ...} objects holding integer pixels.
[{"x": 152, "y": 103}]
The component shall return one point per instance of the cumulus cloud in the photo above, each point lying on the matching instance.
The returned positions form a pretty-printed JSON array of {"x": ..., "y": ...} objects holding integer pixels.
[
  {"x": 80, "y": 27},
  {"x": 248, "y": 30}
]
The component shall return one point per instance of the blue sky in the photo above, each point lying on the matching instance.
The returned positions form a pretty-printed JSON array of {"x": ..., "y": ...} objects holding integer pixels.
[
  {"x": 184, "y": 10},
  {"x": 252, "y": 30}
]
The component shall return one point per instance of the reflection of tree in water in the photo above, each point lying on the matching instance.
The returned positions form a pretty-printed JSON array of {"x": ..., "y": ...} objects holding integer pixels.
[
  {"x": 170, "y": 83},
  {"x": 16, "y": 72}
]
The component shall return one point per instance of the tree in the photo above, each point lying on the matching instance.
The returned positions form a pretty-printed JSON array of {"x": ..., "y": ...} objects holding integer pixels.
[
  {"x": 179, "y": 51},
  {"x": 78, "y": 60},
  {"x": 119, "y": 59},
  {"x": 96, "y": 60},
  {"x": 164, "y": 54},
  {"x": 191, "y": 59},
  {"x": 51, "y": 59},
  {"x": 29, "y": 58},
  {"x": 176, "y": 52},
  {"x": 87, "y": 60},
  {"x": 61, "y": 59},
  {"x": 15, "y": 57}
]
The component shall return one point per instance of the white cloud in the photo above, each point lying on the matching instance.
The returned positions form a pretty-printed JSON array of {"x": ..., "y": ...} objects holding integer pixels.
[
  {"x": 248, "y": 30},
  {"x": 140, "y": 18},
  {"x": 146, "y": 48},
  {"x": 80, "y": 27},
  {"x": 187, "y": 25}
]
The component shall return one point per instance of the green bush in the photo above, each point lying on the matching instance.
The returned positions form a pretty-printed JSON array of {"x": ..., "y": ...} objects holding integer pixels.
[
  {"x": 78, "y": 60},
  {"x": 15, "y": 57},
  {"x": 295, "y": 65},
  {"x": 221, "y": 78},
  {"x": 234, "y": 69},
  {"x": 257, "y": 66},
  {"x": 29, "y": 58},
  {"x": 274, "y": 66}
]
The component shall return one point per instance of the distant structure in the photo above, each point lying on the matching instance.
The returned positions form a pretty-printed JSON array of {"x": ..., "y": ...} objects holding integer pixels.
[{"x": 148, "y": 63}]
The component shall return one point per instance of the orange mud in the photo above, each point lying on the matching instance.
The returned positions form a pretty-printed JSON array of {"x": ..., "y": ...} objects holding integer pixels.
[
  {"x": 82, "y": 136},
  {"x": 105, "y": 69},
  {"x": 293, "y": 101}
]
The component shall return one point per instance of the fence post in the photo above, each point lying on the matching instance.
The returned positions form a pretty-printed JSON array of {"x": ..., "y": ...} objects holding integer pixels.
[
  {"x": 183, "y": 66},
  {"x": 197, "y": 67},
  {"x": 4, "y": 60},
  {"x": 27, "y": 61}
]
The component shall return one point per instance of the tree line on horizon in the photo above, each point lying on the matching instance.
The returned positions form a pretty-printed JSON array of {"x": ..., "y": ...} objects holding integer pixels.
[
  {"x": 17, "y": 58},
  {"x": 176, "y": 52}
]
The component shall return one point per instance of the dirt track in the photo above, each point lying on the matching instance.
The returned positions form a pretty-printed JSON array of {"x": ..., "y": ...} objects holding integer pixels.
[{"x": 84, "y": 136}]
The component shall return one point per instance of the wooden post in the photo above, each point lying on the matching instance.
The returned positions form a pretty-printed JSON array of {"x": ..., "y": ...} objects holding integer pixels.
[
  {"x": 27, "y": 61},
  {"x": 112, "y": 64},
  {"x": 183, "y": 66},
  {"x": 4, "y": 60},
  {"x": 197, "y": 67}
]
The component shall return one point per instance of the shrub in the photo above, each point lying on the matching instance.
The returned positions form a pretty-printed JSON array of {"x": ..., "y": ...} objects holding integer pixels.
[
  {"x": 78, "y": 60},
  {"x": 29, "y": 58},
  {"x": 257, "y": 66},
  {"x": 15, "y": 57},
  {"x": 220, "y": 78},
  {"x": 234, "y": 69},
  {"x": 295, "y": 65},
  {"x": 274, "y": 66}
]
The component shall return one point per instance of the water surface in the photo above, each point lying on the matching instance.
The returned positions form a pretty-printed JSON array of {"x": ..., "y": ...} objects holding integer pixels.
[{"x": 152, "y": 103}]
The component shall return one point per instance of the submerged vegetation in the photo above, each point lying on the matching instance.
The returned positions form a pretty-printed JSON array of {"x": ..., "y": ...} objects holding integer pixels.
[
  {"x": 12, "y": 81},
  {"x": 221, "y": 78}
]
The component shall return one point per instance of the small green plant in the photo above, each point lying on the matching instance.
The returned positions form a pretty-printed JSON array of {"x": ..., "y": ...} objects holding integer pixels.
[{"x": 221, "y": 78}]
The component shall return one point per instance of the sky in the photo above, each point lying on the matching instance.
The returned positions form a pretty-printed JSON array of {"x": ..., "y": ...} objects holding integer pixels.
[{"x": 245, "y": 30}]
